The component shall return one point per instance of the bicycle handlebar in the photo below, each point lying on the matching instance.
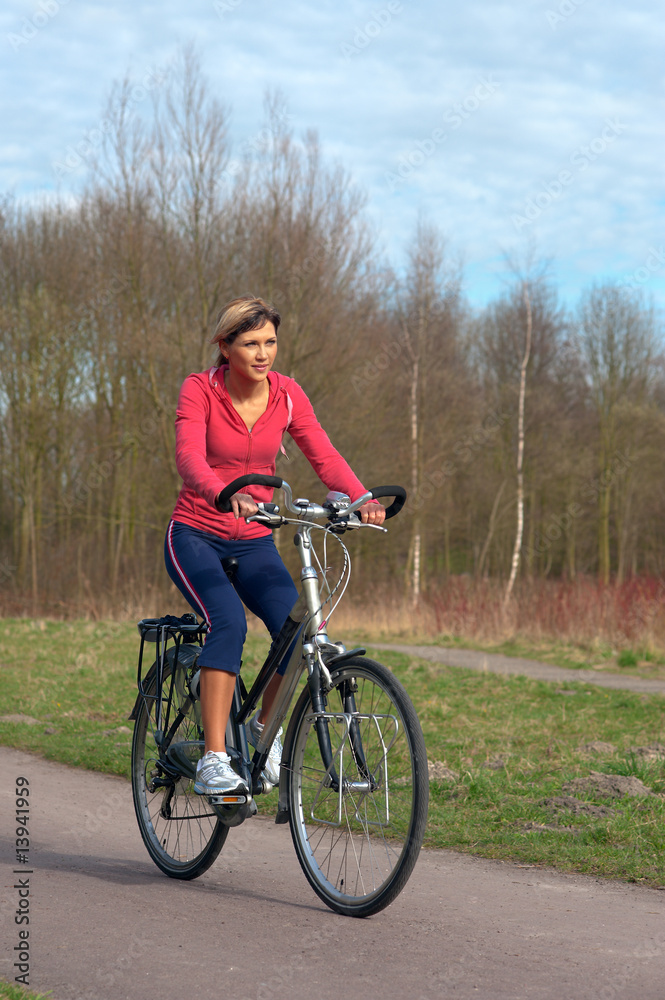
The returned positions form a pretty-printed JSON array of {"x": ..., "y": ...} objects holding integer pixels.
[
  {"x": 276, "y": 482},
  {"x": 223, "y": 502},
  {"x": 398, "y": 492}
]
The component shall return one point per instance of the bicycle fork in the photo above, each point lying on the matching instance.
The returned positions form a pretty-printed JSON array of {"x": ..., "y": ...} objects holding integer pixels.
[
  {"x": 354, "y": 789},
  {"x": 321, "y": 716}
]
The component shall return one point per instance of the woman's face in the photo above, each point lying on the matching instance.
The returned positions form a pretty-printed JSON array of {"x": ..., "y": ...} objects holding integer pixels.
[{"x": 252, "y": 354}]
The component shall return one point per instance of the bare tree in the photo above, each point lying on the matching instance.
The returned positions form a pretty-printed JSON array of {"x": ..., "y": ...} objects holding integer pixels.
[
  {"x": 617, "y": 334},
  {"x": 428, "y": 297},
  {"x": 106, "y": 305}
]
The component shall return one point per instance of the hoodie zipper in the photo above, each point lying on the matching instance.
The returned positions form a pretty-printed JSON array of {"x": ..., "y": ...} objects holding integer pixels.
[
  {"x": 248, "y": 457},
  {"x": 229, "y": 405}
]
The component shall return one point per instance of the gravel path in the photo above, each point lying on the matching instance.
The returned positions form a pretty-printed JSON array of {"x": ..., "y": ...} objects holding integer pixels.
[
  {"x": 105, "y": 924},
  {"x": 496, "y": 663}
]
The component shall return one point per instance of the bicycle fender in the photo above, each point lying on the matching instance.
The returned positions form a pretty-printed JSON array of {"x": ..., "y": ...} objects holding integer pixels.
[{"x": 335, "y": 661}]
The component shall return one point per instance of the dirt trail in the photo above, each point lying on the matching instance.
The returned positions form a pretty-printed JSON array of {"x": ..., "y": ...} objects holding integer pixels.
[
  {"x": 496, "y": 663},
  {"x": 105, "y": 924}
]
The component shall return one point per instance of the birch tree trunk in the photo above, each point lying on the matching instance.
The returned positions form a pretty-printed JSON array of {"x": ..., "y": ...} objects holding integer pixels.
[
  {"x": 520, "y": 451},
  {"x": 483, "y": 569},
  {"x": 415, "y": 483},
  {"x": 413, "y": 563}
]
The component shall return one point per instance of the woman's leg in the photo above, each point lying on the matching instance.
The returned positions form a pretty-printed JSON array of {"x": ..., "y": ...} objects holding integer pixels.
[
  {"x": 193, "y": 561},
  {"x": 269, "y": 696},
  {"x": 266, "y": 588},
  {"x": 217, "y": 687}
]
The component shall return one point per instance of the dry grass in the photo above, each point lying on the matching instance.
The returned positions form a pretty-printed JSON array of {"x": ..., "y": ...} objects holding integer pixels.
[
  {"x": 137, "y": 600},
  {"x": 583, "y": 613}
]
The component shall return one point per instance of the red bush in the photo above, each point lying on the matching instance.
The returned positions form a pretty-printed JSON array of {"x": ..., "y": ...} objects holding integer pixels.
[{"x": 630, "y": 613}]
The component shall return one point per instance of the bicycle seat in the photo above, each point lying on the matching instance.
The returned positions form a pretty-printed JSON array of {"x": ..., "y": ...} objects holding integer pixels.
[{"x": 230, "y": 566}]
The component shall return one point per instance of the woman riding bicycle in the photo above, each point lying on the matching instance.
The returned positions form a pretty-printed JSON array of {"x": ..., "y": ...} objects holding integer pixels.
[{"x": 230, "y": 421}]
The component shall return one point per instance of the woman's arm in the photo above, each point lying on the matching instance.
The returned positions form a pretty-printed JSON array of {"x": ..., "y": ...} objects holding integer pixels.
[
  {"x": 191, "y": 426},
  {"x": 333, "y": 470}
]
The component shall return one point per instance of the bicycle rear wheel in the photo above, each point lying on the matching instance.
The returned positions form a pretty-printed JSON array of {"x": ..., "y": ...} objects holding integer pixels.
[
  {"x": 181, "y": 831},
  {"x": 358, "y": 824}
]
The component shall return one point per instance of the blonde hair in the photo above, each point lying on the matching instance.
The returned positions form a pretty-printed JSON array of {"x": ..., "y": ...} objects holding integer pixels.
[{"x": 240, "y": 316}]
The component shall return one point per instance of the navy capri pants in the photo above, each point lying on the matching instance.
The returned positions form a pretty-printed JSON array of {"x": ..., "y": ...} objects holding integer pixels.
[{"x": 194, "y": 563}]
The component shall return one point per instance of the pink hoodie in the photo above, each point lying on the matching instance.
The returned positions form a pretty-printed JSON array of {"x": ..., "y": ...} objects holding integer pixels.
[{"x": 213, "y": 447}]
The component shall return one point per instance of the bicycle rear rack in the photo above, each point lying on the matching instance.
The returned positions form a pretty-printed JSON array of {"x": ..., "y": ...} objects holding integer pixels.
[{"x": 161, "y": 631}]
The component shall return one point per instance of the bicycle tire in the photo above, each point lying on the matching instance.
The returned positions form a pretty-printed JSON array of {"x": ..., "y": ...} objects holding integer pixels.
[
  {"x": 357, "y": 845},
  {"x": 181, "y": 831}
]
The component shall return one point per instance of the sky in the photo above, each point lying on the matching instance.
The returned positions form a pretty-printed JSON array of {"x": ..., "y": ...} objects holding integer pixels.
[{"x": 538, "y": 123}]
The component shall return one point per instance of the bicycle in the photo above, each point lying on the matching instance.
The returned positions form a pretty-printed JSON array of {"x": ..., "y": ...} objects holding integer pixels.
[{"x": 353, "y": 783}]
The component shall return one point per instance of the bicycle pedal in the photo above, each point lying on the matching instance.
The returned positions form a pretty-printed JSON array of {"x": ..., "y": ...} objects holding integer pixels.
[{"x": 226, "y": 800}]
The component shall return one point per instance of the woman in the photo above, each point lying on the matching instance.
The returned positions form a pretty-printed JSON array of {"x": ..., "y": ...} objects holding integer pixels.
[{"x": 230, "y": 421}]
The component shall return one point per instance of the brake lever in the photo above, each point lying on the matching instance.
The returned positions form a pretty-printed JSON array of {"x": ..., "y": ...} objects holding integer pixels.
[
  {"x": 267, "y": 514},
  {"x": 265, "y": 517},
  {"x": 353, "y": 521}
]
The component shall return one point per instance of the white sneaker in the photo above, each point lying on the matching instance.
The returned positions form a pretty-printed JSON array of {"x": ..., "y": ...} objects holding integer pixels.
[
  {"x": 274, "y": 762},
  {"x": 214, "y": 775}
]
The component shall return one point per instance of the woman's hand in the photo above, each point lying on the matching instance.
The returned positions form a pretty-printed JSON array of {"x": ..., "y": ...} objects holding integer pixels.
[
  {"x": 242, "y": 505},
  {"x": 372, "y": 513}
]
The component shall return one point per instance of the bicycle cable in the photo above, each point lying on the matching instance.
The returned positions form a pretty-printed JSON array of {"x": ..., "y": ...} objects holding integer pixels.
[{"x": 344, "y": 573}]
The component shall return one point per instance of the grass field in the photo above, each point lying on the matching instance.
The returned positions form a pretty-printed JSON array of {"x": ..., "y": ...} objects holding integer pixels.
[
  {"x": 8, "y": 991},
  {"x": 504, "y": 750}
]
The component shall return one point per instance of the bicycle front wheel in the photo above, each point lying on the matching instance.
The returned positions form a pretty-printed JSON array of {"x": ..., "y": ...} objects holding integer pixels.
[
  {"x": 180, "y": 830},
  {"x": 358, "y": 810}
]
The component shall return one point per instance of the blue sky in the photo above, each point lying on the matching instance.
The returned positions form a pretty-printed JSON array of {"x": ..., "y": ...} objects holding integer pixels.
[{"x": 540, "y": 120}]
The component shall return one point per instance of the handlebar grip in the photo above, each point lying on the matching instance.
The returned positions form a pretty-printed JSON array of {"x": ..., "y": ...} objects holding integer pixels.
[
  {"x": 251, "y": 479},
  {"x": 391, "y": 491}
]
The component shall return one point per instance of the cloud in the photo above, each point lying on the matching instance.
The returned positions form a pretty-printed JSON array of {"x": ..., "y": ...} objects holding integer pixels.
[{"x": 377, "y": 80}]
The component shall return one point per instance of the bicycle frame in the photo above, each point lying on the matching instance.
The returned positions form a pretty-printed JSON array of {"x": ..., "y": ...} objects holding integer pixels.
[{"x": 306, "y": 618}]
